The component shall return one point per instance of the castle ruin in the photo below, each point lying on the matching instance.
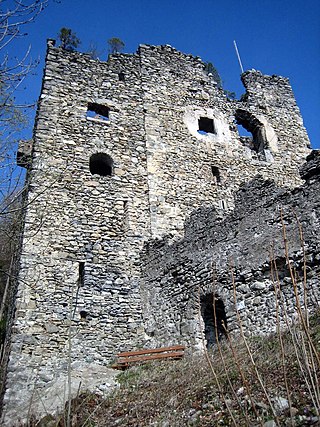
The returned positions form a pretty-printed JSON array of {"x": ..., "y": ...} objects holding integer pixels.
[{"x": 132, "y": 176}]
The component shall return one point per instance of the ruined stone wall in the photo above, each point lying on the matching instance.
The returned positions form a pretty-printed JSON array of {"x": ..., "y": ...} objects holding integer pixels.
[
  {"x": 117, "y": 159},
  {"x": 178, "y": 274},
  {"x": 272, "y": 101},
  {"x": 176, "y": 94},
  {"x": 82, "y": 231}
]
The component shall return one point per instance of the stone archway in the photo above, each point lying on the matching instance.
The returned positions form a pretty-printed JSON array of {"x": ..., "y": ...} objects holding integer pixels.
[{"x": 214, "y": 318}]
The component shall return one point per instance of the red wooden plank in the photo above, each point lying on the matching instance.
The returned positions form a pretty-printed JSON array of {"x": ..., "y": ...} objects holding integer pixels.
[
  {"x": 128, "y": 360},
  {"x": 150, "y": 351}
]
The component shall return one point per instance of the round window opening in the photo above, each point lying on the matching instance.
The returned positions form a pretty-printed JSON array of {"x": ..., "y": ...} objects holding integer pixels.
[{"x": 101, "y": 164}]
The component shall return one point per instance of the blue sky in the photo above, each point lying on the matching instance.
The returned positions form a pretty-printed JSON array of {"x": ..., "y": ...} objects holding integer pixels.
[{"x": 274, "y": 36}]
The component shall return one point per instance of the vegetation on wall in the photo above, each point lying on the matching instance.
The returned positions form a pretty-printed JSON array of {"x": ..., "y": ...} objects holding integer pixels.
[
  {"x": 115, "y": 45},
  {"x": 68, "y": 39},
  {"x": 211, "y": 70}
]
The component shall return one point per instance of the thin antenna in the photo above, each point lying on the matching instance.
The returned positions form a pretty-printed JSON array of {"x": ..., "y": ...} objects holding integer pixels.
[{"x": 238, "y": 56}]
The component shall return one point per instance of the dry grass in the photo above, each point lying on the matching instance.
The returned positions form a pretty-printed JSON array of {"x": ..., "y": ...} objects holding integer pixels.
[
  {"x": 244, "y": 382},
  {"x": 185, "y": 392}
]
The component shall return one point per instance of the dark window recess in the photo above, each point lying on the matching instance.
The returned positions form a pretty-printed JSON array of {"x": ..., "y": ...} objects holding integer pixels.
[
  {"x": 121, "y": 76},
  {"x": 216, "y": 174},
  {"x": 101, "y": 164},
  {"x": 83, "y": 315},
  {"x": 223, "y": 205},
  {"x": 98, "y": 111},
  {"x": 206, "y": 125},
  {"x": 214, "y": 318},
  {"x": 81, "y": 273},
  {"x": 252, "y": 132}
]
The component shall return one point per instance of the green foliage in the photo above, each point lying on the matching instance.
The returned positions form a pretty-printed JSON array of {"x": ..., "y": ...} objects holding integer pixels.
[
  {"x": 128, "y": 376},
  {"x": 211, "y": 69},
  {"x": 116, "y": 45},
  {"x": 68, "y": 39},
  {"x": 229, "y": 94}
]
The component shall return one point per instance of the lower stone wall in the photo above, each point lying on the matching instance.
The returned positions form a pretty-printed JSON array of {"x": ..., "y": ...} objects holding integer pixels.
[
  {"x": 233, "y": 257},
  {"x": 71, "y": 330},
  {"x": 166, "y": 296}
]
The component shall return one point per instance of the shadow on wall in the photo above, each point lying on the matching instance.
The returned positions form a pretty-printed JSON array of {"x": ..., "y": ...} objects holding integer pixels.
[{"x": 214, "y": 318}]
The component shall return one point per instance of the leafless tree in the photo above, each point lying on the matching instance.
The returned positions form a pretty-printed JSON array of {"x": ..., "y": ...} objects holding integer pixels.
[{"x": 15, "y": 15}]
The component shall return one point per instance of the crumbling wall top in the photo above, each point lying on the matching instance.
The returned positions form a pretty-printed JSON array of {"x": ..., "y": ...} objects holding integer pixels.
[
  {"x": 250, "y": 77},
  {"x": 273, "y": 90},
  {"x": 311, "y": 168}
]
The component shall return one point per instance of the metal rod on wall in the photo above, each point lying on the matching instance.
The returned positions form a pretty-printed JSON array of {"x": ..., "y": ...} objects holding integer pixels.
[{"x": 238, "y": 56}]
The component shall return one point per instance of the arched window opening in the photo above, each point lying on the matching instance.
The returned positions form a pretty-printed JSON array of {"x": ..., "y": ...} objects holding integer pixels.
[
  {"x": 216, "y": 174},
  {"x": 214, "y": 318},
  {"x": 121, "y": 76},
  {"x": 206, "y": 125},
  {"x": 252, "y": 132},
  {"x": 101, "y": 164},
  {"x": 83, "y": 315}
]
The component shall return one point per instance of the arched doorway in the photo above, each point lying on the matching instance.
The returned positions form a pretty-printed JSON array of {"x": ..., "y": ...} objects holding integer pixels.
[{"x": 214, "y": 318}]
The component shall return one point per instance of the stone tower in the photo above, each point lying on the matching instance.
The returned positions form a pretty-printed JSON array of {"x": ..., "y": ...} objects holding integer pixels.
[{"x": 123, "y": 152}]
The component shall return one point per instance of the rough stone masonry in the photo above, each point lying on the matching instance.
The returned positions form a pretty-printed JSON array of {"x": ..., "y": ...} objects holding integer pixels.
[{"x": 123, "y": 153}]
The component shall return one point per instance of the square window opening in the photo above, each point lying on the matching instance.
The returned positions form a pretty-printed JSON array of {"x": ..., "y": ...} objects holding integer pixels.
[
  {"x": 206, "y": 125},
  {"x": 98, "y": 111}
]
